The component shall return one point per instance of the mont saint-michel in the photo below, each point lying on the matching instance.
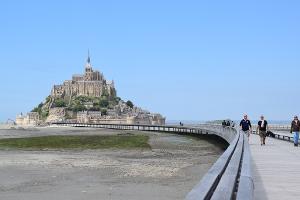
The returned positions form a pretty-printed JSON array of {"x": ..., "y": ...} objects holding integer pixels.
[{"x": 88, "y": 98}]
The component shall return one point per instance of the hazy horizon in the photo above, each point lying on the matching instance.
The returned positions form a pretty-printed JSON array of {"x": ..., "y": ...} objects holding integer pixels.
[{"x": 186, "y": 60}]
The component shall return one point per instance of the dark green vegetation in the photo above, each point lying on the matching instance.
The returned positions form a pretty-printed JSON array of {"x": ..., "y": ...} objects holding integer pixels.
[
  {"x": 130, "y": 104},
  {"x": 59, "y": 103},
  {"x": 43, "y": 112},
  {"x": 77, "y": 142},
  {"x": 79, "y": 103},
  {"x": 82, "y": 103}
]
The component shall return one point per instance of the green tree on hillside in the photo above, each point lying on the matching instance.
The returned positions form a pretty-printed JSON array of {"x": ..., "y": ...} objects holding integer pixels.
[
  {"x": 103, "y": 103},
  {"x": 78, "y": 107},
  {"x": 103, "y": 112},
  {"x": 59, "y": 103},
  {"x": 130, "y": 104}
]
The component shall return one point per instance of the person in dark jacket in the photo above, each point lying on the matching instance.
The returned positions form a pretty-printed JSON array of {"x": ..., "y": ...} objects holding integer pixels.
[
  {"x": 246, "y": 127},
  {"x": 295, "y": 128},
  {"x": 224, "y": 123},
  {"x": 228, "y": 123},
  {"x": 262, "y": 130}
]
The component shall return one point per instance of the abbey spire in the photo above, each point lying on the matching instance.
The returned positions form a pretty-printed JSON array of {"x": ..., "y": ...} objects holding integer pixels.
[{"x": 88, "y": 61}]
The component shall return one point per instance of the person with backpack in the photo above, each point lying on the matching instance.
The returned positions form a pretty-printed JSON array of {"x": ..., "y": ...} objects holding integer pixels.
[
  {"x": 262, "y": 130},
  {"x": 245, "y": 126},
  {"x": 295, "y": 128}
]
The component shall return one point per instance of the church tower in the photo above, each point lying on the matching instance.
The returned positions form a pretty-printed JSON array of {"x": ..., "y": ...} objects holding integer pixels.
[
  {"x": 88, "y": 66},
  {"x": 88, "y": 76}
]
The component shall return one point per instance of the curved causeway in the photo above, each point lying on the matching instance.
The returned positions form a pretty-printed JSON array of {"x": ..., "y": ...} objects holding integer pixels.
[{"x": 229, "y": 178}]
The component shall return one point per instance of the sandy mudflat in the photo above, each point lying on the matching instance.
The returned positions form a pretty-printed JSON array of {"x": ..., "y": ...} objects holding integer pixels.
[{"x": 169, "y": 170}]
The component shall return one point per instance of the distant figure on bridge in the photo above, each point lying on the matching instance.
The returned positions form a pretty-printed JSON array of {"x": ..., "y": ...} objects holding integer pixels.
[
  {"x": 232, "y": 124},
  {"x": 262, "y": 130},
  {"x": 228, "y": 123},
  {"x": 295, "y": 128},
  {"x": 245, "y": 125},
  {"x": 224, "y": 123}
]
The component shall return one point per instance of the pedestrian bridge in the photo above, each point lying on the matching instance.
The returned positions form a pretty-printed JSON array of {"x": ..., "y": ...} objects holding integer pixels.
[{"x": 246, "y": 170}]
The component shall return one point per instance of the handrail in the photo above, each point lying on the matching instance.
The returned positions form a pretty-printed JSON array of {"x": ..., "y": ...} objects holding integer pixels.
[
  {"x": 227, "y": 185},
  {"x": 279, "y": 136},
  {"x": 205, "y": 189},
  {"x": 246, "y": 184},
  {"x": 276, "y": 127},
  {"x": 229, "y": 178}
]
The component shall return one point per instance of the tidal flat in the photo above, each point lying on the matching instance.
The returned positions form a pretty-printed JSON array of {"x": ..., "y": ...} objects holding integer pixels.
[{"x": 168, "y": 169}]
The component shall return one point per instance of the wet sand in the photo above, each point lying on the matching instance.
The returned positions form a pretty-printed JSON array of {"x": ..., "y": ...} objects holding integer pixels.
[{"x": 169, "y": 170}]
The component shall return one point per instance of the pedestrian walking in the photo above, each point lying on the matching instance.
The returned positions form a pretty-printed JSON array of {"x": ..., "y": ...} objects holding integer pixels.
[
  {"x": 295, "y": 128},
  {"x": 262, "y": 130},
  {"x": 228, "y": 123},
  {"x": 224, "y": 123},
  {"x": 245, "y": 126},
  {"x": 232, "y": 124}
]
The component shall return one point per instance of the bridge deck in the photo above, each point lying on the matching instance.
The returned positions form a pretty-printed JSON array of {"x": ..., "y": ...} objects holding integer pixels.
[{"x": 276, "y": 169}]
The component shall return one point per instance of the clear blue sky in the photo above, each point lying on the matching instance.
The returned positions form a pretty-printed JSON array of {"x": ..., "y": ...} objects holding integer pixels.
[{"x": 193, "y": 60}]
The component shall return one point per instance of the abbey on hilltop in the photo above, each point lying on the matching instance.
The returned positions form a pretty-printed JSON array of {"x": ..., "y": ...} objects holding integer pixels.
[
  {"x": 88, "y": 98},
  {"x": 91, "y": 83}
]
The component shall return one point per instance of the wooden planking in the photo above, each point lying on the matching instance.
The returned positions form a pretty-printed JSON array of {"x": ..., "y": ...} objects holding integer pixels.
[{"x": 276, "y": 169}]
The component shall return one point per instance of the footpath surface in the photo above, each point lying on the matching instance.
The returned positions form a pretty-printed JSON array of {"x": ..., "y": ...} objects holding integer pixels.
[{"x": 276, "y": 169}]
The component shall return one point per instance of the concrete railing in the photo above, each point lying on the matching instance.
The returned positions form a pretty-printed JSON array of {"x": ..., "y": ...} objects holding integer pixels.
[{"x": 229, "y": 178}]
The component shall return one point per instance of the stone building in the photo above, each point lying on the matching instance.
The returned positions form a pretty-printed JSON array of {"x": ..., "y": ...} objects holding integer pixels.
[
  {"x": 92, "y": 83},
  {"x": 89, "y": 117},
  {"x": 121, "y": 114},
  {"x": 30, "y": 119}
]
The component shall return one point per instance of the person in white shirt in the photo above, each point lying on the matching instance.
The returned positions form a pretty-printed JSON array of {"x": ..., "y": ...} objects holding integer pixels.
[{"x": 262, "y": 130}]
